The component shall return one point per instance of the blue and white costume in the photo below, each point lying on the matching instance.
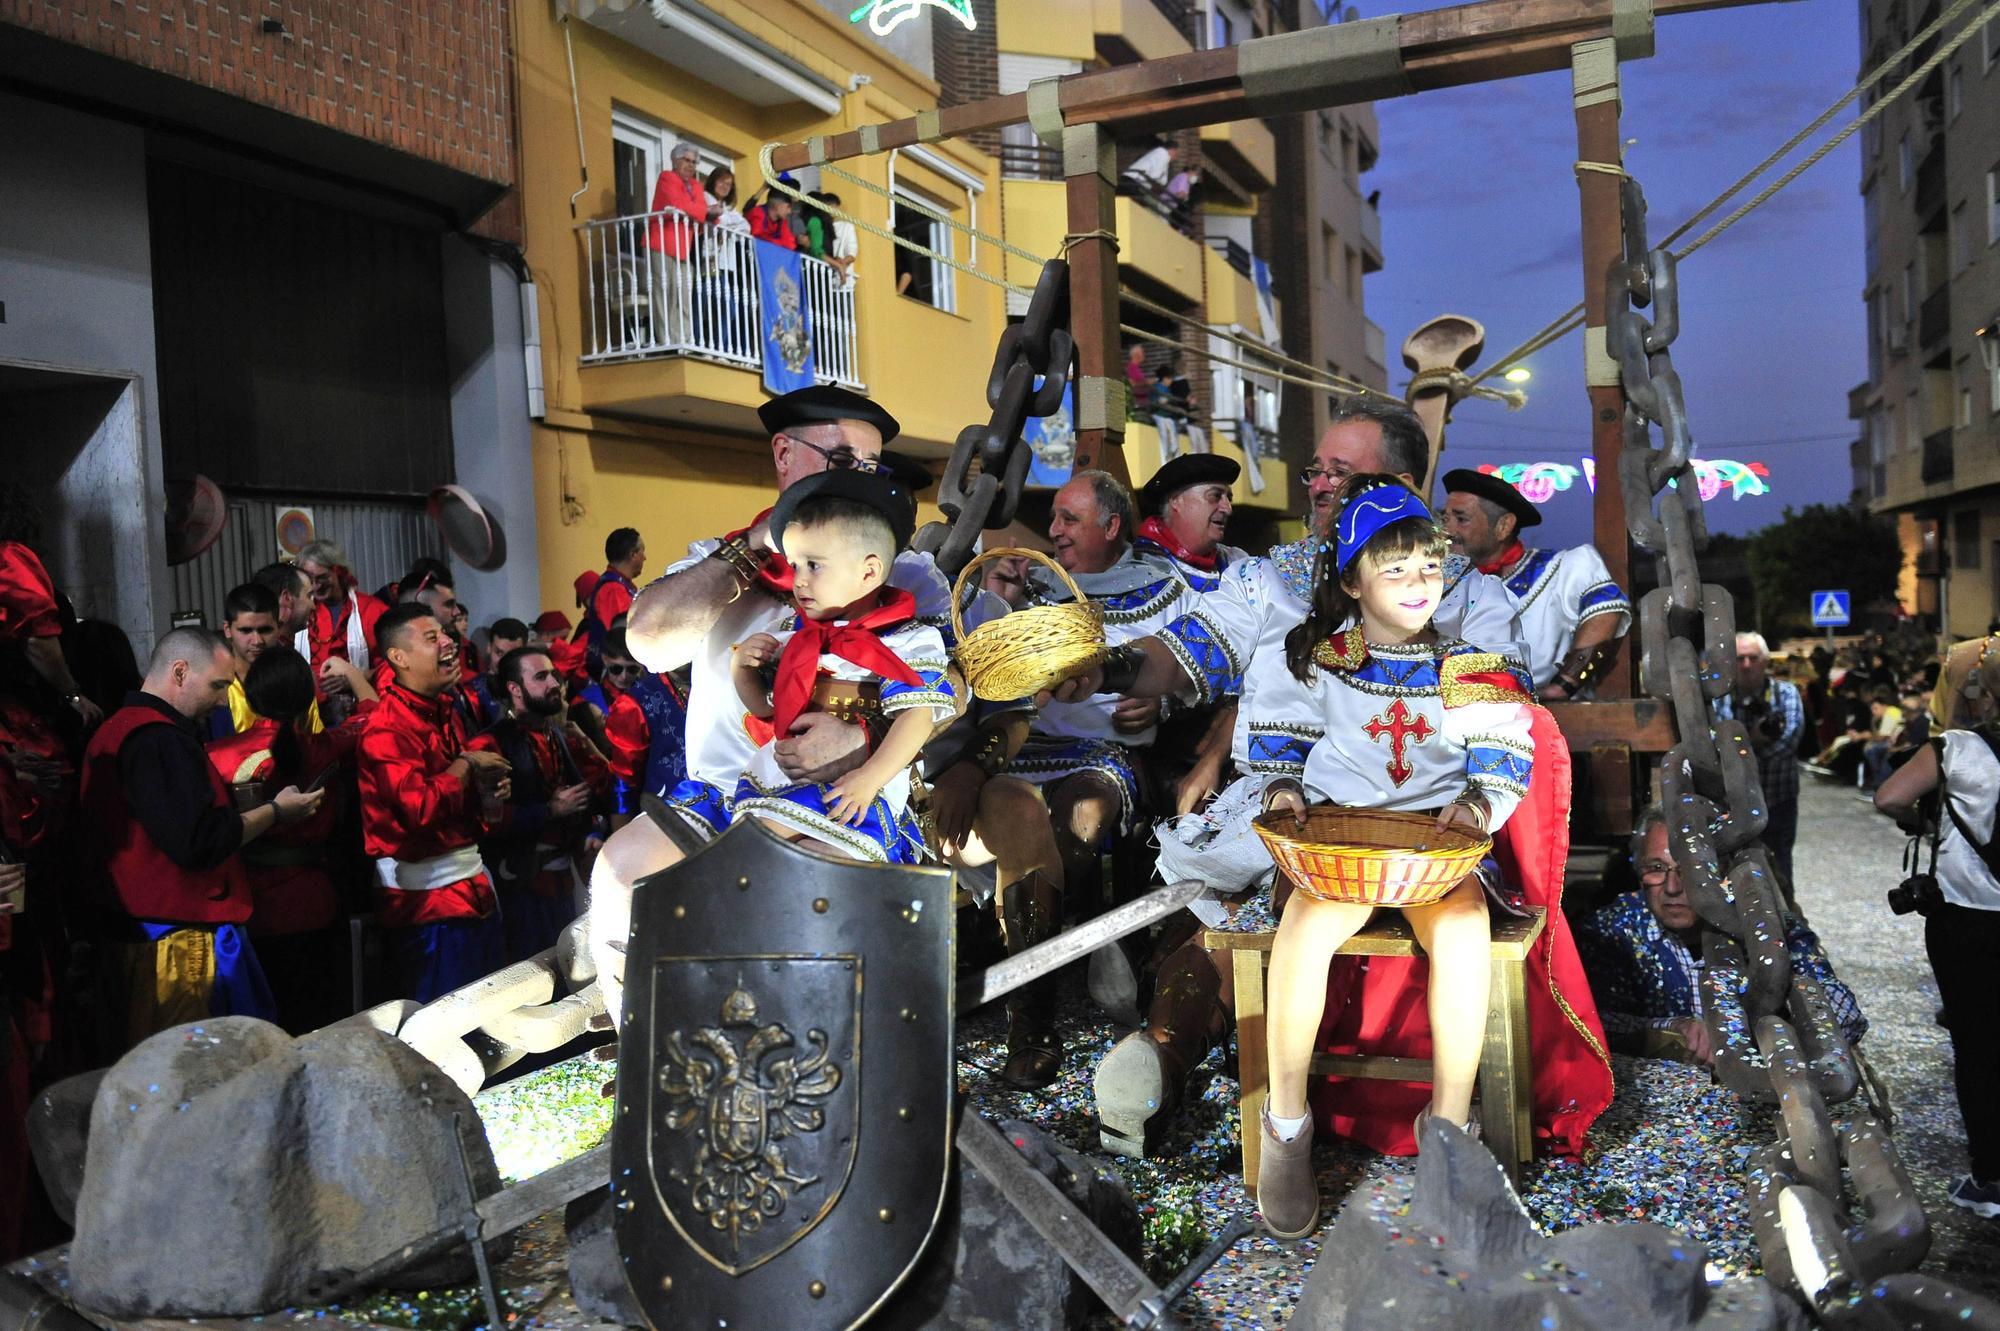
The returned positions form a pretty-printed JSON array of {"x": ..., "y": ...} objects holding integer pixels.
[
  {"x": 889, "y": 832},
  {"x": 1558, "y": 591}
]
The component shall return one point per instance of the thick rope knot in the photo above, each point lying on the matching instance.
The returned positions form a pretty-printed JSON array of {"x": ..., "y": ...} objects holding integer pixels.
[
  {"x": 1078, "y": 237},
  {"x": 1457, "y": 385}
]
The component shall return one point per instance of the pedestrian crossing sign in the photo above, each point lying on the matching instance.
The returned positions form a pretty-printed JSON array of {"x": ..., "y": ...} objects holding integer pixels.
[{"x": 1829, "y": 610}]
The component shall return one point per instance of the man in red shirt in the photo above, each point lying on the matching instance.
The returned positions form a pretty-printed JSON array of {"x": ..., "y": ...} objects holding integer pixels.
[
  {"x": 425, "y": 802},
  {"x": 165, "y": 832},
  {"x": 344, "y": 616},
  {"x": 669, "y": 240},
  {"x": 611, "y": 595}
]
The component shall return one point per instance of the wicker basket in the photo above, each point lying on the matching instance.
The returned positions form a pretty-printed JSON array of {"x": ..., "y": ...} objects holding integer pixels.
[
  {"x": 1370, "y": 856},
  {"x": 1027, "y": 651}
]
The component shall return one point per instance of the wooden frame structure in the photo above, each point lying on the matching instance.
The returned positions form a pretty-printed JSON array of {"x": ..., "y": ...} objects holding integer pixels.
[{"x": 1366, "y": 60}]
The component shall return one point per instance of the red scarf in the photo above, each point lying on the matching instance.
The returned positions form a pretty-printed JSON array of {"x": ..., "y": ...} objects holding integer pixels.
[
  {"x": 1505, "y": 559},
  {"x": 776, "y": 575},
  {"x": 1160, "y": 534},
  {"x": 857, "y": 640}
]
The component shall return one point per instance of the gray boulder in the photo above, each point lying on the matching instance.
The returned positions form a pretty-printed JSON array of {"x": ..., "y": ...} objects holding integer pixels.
[
  {"x": 231, "y": 1169},
  {"x": 1454, "y": 1250},
  {"x": 59, "y": 1133}
]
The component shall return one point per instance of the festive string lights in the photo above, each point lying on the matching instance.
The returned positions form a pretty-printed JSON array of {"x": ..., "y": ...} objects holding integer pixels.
[{"x": 1542, "y": 481}]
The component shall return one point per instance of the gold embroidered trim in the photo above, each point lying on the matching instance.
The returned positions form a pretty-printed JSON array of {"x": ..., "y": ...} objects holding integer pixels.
[
  {"x": 1346, "y": 650},
  {"x": 1457, "y": 693},
  {"x": 1569, "y": 1013}
]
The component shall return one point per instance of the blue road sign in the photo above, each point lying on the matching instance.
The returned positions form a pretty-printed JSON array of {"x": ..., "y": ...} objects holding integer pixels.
[{"x": 1829, "y": 610}]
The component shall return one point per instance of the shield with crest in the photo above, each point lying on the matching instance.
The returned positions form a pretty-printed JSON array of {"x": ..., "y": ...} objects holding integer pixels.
[{"x": 785, "y": 1084}]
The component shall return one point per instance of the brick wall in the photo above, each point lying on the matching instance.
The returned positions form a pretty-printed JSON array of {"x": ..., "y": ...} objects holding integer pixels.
[
  {"x": 968, "y": 65},
  {"x": 427, "y": 77}
]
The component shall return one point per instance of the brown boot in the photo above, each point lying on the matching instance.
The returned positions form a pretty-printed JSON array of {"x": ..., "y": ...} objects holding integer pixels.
[
  {"x": 1287, "y": 1189},
  {"x": 1142, "y": 1081},
  {"x": 1031, "y": 913}
]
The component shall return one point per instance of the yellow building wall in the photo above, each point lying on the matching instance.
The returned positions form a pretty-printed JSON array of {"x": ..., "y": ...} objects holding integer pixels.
[
  {"x": 594, "y": 472},
  {"x": 1063, "y": 28}
]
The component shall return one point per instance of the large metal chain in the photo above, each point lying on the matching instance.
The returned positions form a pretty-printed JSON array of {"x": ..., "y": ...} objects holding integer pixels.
[
  {"x": 1031, "y": 371},
  {"x": 1774, "y": 1034}
]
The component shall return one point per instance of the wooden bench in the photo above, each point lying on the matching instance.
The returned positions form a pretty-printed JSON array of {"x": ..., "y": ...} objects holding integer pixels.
[{"x": 1504, "y": 1074}]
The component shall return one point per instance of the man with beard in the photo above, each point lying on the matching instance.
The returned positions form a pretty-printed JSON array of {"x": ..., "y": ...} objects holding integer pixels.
[
  {"x": 1572, "y": 613},
  {"x": 1233, "y": 642},
  {"x": 537, "y": 850},
  {"x": 425, "y": 802}
]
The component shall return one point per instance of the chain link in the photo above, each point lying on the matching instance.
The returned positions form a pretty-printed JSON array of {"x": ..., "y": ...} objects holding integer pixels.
[{"x": 1834, "y": 1239}]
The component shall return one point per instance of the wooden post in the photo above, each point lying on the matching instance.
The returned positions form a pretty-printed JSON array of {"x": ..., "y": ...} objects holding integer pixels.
[
  {"x": 1089, "y": 173},
  {"x": 1594, "y": 80}
]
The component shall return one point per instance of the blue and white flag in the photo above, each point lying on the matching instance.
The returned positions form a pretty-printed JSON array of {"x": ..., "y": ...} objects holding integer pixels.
[
  {"x": 787, "y": 339},
  {"x": 1052, "y": 439}
]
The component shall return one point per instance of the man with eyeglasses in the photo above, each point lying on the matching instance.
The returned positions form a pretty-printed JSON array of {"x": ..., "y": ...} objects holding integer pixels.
[
  {"x": 1643, "y": 955},
  {"x": 1775, "y": 717}
]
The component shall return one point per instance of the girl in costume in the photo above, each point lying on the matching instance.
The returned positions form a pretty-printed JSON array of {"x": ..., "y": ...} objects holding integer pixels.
[{"x": 1411, "y": 721}]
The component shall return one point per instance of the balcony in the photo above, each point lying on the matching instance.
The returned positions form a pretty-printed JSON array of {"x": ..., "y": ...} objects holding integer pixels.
[
  {"x": 1232, "y": 291},
  {"x": 641, "y": 304},
  {"x": 1934, "y": 318},
  {"x": 1937, "y": 457},
  {"x": 1930, "y": 182},
  {"x": 1371, "y": 238},
  {"x": 1377, "y": 344},
  {"x": 1029, "y": 161},
  {"x": 1142, "y": 459},
  {"x": 1245, "y": 150},
  {"x": 1151, "y": 248},
  {"x": 1132, "y": 30}
]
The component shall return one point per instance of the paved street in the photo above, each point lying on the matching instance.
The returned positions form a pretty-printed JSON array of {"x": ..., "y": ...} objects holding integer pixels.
[{"x": 1848, "y": 857}]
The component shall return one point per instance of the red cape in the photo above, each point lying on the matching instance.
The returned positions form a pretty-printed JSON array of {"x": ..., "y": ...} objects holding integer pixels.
[{"x": 1376, "y": 1005}]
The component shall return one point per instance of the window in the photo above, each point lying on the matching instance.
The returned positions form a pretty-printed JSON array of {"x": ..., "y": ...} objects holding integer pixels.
[
  {"x": 639, "y": 149},
  {"x": 1961, "y": 239},
  {"x": 1989, "y": 42},
  {"x": 1954, "y": 93},
  {"x": 1913, "y": 425},
  {"x": 1224, "y": 30},
  {"x": 1329, "y": 138},
  {"x": 1329, "y": 257},
  {"x": 1963, "y": 417},
  {"x": 1353, "y": 275},
  {"x": 1908, "y": 309},
  {"x": 918, "y": 276},
  {"x": 1905, "y": 167},
  {"x": 1993, "y": 206},
  {"x": 1989, "y": 353},
  {"x": 1965, "y": 538},
  {"x": 1348, "y": 158},
  {"x": 1889, "y": 436}
]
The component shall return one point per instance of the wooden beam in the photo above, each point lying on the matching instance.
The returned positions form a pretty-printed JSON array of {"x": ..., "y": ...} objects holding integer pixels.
[
  {"x": 1641, "y": 724},
  {"x": 1089, "y": 172},
  {"x": 1440, "y": 48}
]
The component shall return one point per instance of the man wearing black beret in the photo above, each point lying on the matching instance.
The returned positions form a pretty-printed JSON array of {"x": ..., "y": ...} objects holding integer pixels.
[
  {"x": 1186, "y": 507},
  {"x": 1572, "y": 613}
]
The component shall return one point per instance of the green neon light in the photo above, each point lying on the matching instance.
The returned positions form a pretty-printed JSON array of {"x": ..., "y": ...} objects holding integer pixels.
[{"x": 884, "y": 16}]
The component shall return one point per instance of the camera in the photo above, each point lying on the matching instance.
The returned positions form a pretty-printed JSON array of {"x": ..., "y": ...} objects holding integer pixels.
[
  {"x": 1919, "y": 892},
  {"x": 1759, "y": 723}
]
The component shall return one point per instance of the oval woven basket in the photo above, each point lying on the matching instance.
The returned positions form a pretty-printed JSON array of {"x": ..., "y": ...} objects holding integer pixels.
[
  {"x": 1026, "y": 651},
  {"x": 1370, "y": 857}
]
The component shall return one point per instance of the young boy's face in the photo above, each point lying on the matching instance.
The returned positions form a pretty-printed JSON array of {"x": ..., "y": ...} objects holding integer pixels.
[{"x": 831, "y": 570}]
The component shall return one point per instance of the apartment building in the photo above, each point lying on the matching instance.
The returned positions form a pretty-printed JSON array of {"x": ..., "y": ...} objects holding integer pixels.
[
  {"x": 1930, "y": 184},
  {"x": 260, "y": 245}
]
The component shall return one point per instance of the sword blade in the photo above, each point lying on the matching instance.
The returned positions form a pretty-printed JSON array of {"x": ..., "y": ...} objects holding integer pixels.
[
  {"x": 1097, "y": 1261},
  {"x": 1003, "y": 978}
]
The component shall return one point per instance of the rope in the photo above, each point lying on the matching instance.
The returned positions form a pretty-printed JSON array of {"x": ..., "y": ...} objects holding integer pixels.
[
  {"x": 1078, "y": 237},
  {"x": 1610, "y": 168},
  {"x": 1572, "y": 318},
  {"x": 1266, "y": 369},
  {"x": 1458, "y": 385}
]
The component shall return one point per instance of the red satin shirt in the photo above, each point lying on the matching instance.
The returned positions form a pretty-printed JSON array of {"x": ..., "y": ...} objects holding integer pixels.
[
  {"x": 27, "y": 597},
  {"x": 413, "y": 809}
]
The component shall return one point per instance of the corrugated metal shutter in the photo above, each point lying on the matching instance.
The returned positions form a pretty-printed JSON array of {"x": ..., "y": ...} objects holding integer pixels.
[
  {"x": 1016, "y": 72},
  {"x": 383, "y": 538}
]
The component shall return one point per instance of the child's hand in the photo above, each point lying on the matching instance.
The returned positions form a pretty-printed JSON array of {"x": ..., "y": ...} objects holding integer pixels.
[
  {"x": 755, "y": 652},
  {"x": 1467, "y": 813},
  {"x": 1290, "y": 799},
  {"x": 850, "y": 797}
]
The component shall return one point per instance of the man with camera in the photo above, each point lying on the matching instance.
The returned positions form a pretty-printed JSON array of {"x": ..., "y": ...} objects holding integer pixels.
[
  {"x": 1770, "y": 709},
  {"x": 1643, "y": 955},
  {"x": 1946, "y": 794}
]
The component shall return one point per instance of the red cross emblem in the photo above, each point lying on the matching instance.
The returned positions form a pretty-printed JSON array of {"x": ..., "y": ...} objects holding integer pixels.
[{"x": 1400, "y": 728}]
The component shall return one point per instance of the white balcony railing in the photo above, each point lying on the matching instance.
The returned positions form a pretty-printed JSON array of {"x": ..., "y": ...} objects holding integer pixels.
[{"x": 662, "y": 284}]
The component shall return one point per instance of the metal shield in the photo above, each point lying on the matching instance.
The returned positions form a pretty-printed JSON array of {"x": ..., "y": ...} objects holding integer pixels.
[{"x": 785, "y": 1084}]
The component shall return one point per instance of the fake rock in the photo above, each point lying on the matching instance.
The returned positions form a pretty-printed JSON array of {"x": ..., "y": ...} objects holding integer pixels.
[{"x": 231, "y": 1168}]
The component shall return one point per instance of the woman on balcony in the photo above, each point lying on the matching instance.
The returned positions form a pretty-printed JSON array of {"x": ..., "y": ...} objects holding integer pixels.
[{"x": 669, "y": 240}]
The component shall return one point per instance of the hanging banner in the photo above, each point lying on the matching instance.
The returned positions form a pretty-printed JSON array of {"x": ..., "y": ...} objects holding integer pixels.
[
  {"x": 1052, "y": 440},
  {"x": 788, "y": 353}
]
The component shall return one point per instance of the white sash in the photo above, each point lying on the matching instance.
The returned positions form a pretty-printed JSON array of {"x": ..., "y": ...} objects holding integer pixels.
[{"x": 429, "y": 875}]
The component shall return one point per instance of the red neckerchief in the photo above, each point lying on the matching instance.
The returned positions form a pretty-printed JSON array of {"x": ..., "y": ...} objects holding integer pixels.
[
  {"x": 776, "y": 575},
  {"x": 1505, "y": 559},
  {"x": 1156, "y": 531},
  {"x": 857, "y": 640},
  {"x": 336, "y": 634}
]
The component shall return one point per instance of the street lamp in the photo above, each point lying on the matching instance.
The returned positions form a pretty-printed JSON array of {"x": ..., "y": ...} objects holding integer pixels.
[{"x": 1520, "y": 374}]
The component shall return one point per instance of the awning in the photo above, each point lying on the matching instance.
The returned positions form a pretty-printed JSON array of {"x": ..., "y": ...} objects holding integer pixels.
[{"x": 693, "y": 38}]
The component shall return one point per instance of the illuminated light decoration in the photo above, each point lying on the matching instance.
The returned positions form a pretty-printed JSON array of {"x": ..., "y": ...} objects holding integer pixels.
[
  {"x": 885, "y": 16},
  {"x": 1542, "y": 481}
]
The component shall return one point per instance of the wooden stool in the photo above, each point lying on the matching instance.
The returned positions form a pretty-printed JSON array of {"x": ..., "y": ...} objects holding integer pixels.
[{"x": 1504, "y": 1076}]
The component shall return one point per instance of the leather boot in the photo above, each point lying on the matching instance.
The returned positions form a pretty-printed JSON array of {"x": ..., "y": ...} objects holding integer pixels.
[
  {"x": 1142, "y": 1081},
  {"x": 1031, "y": 913},
  {"x": 1287, "y": 1188}
]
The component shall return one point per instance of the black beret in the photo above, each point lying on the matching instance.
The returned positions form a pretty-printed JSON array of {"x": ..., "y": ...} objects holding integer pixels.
[
  {"x": 1488, "y": 486},
  {"x": 822, "y": 403},
  {"x": 1185, "y": 470},
  {"x": 877, "y": 489}
]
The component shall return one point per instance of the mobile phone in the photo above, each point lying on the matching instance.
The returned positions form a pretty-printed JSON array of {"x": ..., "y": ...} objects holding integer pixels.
[{"x": 320, "y": 780}]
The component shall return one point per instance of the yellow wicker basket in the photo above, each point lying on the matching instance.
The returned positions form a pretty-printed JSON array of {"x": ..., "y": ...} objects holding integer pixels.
[
  {"x": 1022, "y": 653},
  {"x": 1370, "y": 856}
]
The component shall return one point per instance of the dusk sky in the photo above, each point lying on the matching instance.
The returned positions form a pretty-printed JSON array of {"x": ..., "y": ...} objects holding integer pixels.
[{"x": 1479, "y": 217}]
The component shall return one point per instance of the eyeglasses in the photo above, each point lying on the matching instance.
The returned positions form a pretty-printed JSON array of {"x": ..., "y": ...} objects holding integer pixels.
[
  {"x": 1653, "y": 873},
  {"x": 839, "y": 459},
  {"x": 1307, "y": 475},
  {"x": 632, "y": 669}
]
